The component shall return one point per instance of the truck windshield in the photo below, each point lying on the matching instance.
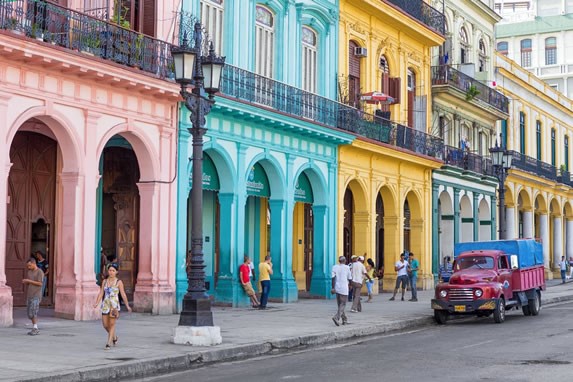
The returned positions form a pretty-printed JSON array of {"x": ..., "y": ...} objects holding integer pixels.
[{"x": 475, "y": 262}]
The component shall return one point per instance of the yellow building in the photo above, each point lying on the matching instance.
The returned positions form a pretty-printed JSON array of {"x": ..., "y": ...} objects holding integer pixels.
[
  {"x": 539, "y": 187},
  {"x": 385, "y": 189}
]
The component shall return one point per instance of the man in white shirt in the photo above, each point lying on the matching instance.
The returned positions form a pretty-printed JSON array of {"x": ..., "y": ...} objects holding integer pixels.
[
  {"x": 340, "y": 278},
  {"x": 358, "y": 275},
  {"x": 401, "y": 267}
]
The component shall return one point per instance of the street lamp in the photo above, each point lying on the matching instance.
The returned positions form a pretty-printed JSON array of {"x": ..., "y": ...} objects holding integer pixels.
[
  {"x": 501, "y": 161},
  {"x": 190, "y": 67}
]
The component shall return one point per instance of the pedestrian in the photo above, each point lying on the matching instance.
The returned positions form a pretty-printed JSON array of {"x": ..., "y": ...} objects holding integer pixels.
[
  {"x": 265, "y": 272},
  {"x": 108, "y": 295},
  {"x": 42, "y": 263},
  {"x": 380, "y": 276},
  {"x": 353, "y": 259},
  {"x": 370, "y": 270},
  {"x": 563, "y": 267},
  {"x": 445, "y": 271},
  {"x": 33, "y": 284},
  {"x": 570, "y": 266},
  {"x": 358, "y": 275},
  {"x": 341, "y": 278},
  {"x": 401, "y": 267},
  {"x": 413, "y": 267},
  {"x": 244, "y": 272}
]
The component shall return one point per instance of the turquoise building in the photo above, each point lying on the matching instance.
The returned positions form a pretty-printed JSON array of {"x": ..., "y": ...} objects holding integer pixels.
[{"x": 271, "y": 154}]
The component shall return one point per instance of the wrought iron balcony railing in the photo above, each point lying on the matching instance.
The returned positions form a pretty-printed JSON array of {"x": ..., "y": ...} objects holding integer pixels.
[
  {"x": 533, "y": 165},
  {"x": 250, "y": 87},
  {"x": 467, "y": 160},
  {"x": 424, "y": 13},
  {"x": 78, "y": 31},
  {"x": 447, "y": 75}
]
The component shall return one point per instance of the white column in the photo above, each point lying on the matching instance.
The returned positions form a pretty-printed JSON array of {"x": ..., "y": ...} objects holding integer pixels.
[
  {"x": 557, "y": 240},
  {"x": 6, "y": 300},
  {"x": 510, "y": 222},
  {"x": 544, "y": 230},
  {"x": 569, "y": 238},
  {"x": 528, "y": 224}
]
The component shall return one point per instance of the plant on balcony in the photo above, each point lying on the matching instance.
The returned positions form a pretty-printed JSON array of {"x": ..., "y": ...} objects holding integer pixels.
[
  {"x": 472, "y": 92},
  {"x": 119, "y": 12},
  {"x": 90, "y": 44},
  {"x": 37, "y": 32},
  {"x": 12, "y": 24}
]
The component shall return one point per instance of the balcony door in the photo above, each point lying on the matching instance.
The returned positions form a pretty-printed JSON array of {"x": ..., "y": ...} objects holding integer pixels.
[{"x": 140, "y": 14}]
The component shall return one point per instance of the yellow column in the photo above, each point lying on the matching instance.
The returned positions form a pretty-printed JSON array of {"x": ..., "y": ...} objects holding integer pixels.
[{"x": 392, "y": 249}]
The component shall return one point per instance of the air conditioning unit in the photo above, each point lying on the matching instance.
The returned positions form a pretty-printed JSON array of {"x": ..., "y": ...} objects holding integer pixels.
[{"x": 360, "y": 52}]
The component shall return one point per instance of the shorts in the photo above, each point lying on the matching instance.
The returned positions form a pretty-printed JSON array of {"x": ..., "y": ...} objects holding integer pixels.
[
  {"x": 401, "y": 280},
  {"x": 249, "y": 289},
  {"x": 32, "y": 307}
]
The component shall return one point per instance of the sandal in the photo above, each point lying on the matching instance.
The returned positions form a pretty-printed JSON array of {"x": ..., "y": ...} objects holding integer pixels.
[
  {"x": 115, "y": 340},
  {"x": 107, "y": 347}
]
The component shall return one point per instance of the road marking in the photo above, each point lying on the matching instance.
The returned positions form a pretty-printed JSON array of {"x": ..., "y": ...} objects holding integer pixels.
[{"x": 474, "y": 345}]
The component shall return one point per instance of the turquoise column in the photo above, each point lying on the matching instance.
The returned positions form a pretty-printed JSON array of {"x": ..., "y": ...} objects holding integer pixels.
[
  {"x": 283, "y": 285},
  {"x": 182, "y": 196},
  {"x": 226, "y": 285},
  {"x": 476, "y": 217},
  {"x": 99, "y": 212},
  {"x": 435, "y": 232},
  {"x": 493, "y": 217},
  {"x": 456, "y": 215},
  {"x": 239, "y": 298},
  {"x": 321, "y": 282}
]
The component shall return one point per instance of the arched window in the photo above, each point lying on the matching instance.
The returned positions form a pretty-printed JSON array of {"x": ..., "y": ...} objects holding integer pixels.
[
  {"x": 309, "y": 54},
  {"x": 502, "y": 47},
  {"x": 526, "y": 53},
  {"x": 482, "y": 62},
  {"x": 212, "y": 19},
  {"x": 550, "y": 51},
  {"x": 265, "y": 42},
  {"x": 464, "y": 45}
]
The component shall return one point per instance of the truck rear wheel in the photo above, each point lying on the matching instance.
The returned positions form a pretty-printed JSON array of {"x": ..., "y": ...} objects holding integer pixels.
[
  {"x": 526, "y": 310},
  {"x": 535, "y": 304},
  {"x": 499, "y": 312},
  {"x": 441, "y": 316}
]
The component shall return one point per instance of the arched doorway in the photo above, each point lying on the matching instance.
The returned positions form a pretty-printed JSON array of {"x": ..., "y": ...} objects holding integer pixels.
[
  {"x": 446, "y": 226},
  {"x": 348, "y": 231},
  {"x": 466, "y": 220},
  {"x": 407, "y": 227},
  {"x": 379, "y": 230},
  {"x": 30, "y": 209},
  {"x": 257, "y": 215},
  {"x": 303, "y": 233},
  {"x": 484, "y": 213}
]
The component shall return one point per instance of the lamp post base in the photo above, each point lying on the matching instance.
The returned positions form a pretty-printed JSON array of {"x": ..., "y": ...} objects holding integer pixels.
[
  {"x": 197, "y": 335},
  {"x": 196, "y": 312}
]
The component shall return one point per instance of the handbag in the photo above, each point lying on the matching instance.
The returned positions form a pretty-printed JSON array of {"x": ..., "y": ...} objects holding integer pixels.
[{"x": 114, "y": 313}]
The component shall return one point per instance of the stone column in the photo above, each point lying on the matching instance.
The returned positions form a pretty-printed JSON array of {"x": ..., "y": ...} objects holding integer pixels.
[
  {"x": 510, "y": 222},
  {"x": 528, "y": 231},
  {"x": 392, "y": 248},
  {"x": 321, "y": 281},
  {"x": 557, "y": 241},
  {"x": 476, "y": 216},
  {"x": 544, "y": 231},
  {"x": 435, "y": 232},
  {"x": 6, "y": 299},
  {"x": 493, "y": 221},
  {"x": 456, "y": 215},
  {"x": 569, "y": 238},
  {"x": 362, "y": 233},
  {"x": 224, "y": 290},
  {"x": 182, "y": 219}
]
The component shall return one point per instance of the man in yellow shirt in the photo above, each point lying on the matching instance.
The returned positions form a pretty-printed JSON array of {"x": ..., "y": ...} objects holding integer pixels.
[{"x": 265, "y": 272}]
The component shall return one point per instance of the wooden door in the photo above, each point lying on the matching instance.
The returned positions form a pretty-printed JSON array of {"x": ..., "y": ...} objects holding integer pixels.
[
  {"x": 308, "y": 243},
  {"x": 348, "y": 225},
  {"x": 31, "y": 198}
]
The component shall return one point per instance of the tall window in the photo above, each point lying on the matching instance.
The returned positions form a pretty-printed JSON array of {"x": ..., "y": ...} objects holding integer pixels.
[
  {"x": 139, "y": 14},
  {"x": 265, "y": 42},
  {"x": 464, "y": 45},
  {"x": 550, "y": 51},
  {"x": 526, "y": 53},
  {"x": 212, "y": 19},
  {"x": 566, "y": 153},
  {"x": 502, "y": 47},
  {"x": 309, "y": 48},
  {"x": 553, "y": 159},
  {"x": 538, "y": 138},
  {"x": 504, "y": 133},
  {"x": 522, "y": 132},
  {"x": 482, "y": 63}
]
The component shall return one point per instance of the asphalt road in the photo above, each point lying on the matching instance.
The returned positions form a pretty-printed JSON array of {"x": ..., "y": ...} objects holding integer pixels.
[{"x": 521, "y": 349}]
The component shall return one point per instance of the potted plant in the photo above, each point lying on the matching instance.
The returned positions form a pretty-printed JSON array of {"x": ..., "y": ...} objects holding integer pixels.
[
  {"x": 472, "y": 92},
  {"x": 90, "y": 45},
  {"x": 37, "y": 32},
  {"x": 13, "y": 24}
]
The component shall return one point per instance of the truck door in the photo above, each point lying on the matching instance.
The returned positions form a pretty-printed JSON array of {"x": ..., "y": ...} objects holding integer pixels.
[{"x": 504, "y": 272}]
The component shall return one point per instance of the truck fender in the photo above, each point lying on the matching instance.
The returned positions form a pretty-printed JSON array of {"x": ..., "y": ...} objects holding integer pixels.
[
  {"x": 497, "y": 290},
  {"x": 530, "y": 293}
]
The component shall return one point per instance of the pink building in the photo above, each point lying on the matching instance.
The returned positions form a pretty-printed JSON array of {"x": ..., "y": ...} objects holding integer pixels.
[{"x": 88, "y": 155}]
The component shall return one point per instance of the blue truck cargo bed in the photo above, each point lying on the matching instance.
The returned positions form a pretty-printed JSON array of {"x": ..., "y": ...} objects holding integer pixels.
[{"x": 528, "y": 251}]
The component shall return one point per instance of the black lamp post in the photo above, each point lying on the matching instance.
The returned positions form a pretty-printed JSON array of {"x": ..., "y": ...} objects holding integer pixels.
[
  {"x": 501, "y": 161},
  {"x": 204, "y": 74}
]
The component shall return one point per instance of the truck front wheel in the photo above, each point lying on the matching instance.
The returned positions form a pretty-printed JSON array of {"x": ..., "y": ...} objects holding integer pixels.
[
  {"x": 441, "y": 316},
  {"x": 535, "y": 304},
  {"x": 499, "y": 312}
]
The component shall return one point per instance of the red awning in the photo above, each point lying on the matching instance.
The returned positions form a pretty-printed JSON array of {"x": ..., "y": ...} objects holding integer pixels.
[{"x": 377, "y": 97}]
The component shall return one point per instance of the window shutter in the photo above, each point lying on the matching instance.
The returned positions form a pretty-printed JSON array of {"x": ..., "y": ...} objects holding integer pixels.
[
  {"x": 394, "y": 89},
  {"x": 148, "y": 18}
]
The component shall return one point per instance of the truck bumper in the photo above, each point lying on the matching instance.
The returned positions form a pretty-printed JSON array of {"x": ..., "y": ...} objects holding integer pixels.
[{"x": 464, "y": 307}]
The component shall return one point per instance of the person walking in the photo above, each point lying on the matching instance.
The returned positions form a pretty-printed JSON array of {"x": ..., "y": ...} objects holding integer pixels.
[
  {"x": 446, "y": 270},
  {"x": 563, "y": 268},
  {"x": 413, "y": 267},
  {"x": 570, "y": 266},
  {"x": 401, "y": 267},
  {"x": 353, "y": 259},
  {"x": 370, "y": 270},
  {"x": 358, "y": 274},
  {"x": 108, "y": 295},
  {"x": 244, "y": 274},
  {"x": 265, "y": 272},
  {"x": 341, "y": 277},
  {"x": 33, "y": 284}
]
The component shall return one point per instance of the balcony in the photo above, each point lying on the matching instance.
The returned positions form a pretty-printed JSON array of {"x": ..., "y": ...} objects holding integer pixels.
[
  {"x": 447, "y": 75},
  {"x": 69, "y": 29},
  {"x": 532, "y": 165},
  {"x": 424, "y": 13},
  {"x": 467, "y": 161},
  {"x": 251, "y": 88}
]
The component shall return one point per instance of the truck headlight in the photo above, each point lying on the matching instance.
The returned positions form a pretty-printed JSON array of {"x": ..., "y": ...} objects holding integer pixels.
[
  {"x": 478, "y": 293},
  {"x": 443, "y": 293}
]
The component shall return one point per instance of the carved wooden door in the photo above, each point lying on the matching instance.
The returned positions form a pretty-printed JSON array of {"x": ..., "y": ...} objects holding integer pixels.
[
  {"x": 308, "y": 243},
  {"x": 127, "y": 207},
  {"x": 31, "y": 197}
]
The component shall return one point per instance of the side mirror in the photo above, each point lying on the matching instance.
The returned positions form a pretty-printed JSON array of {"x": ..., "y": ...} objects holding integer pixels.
[{"x": 514, "y": 262}]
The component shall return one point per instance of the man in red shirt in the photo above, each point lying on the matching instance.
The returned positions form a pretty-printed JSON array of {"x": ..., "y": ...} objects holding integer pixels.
[{"x": 244, "y": 271}]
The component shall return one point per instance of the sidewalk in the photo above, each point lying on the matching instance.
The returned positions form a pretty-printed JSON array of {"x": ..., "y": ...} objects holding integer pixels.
[{"x": 74, "y": 351}]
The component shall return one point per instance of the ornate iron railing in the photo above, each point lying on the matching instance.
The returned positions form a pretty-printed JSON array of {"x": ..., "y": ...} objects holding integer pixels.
[
  {"x": 77, "y": 31},
  {"x": 533, "y": 165},
  {"x": 424, "y": 13},
  {"x": 447, "y": 75},
  {"x": 467, "y": 160},
  {"x": 250, "y": 87}
]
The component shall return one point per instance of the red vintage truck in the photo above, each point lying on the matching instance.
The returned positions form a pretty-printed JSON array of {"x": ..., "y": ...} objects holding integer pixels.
[{"x": 491, "y": 277}]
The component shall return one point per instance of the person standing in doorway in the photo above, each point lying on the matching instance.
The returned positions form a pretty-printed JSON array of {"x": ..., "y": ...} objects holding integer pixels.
[
  {"x": 42, "y": 263},
  {"x": 33, "y": 284},
  {"x": 341, "y": 277},
  {"x": 563, "y": 268},
  {"x": 401, "y": 267},
  {"x": 109, "y": 293},
  {"x": 413, "y": 267},
  {"x": 244, "y": 274},
  {"x": 265, "y": 272}
]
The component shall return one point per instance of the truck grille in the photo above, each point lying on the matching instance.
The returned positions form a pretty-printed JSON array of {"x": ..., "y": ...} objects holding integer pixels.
[{"x": 463, "y": 294}]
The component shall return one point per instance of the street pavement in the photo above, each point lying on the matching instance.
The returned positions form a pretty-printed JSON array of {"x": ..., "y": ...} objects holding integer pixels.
[{"x": 74, "y": 351}]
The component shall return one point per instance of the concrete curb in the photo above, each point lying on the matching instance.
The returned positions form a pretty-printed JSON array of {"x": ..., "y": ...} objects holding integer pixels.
[{"x": 164, "y": 365}]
